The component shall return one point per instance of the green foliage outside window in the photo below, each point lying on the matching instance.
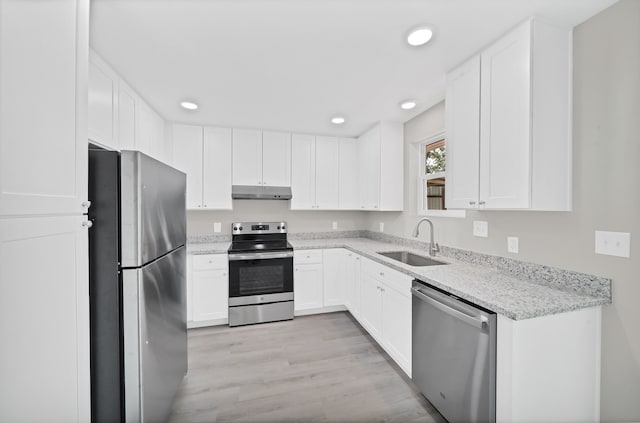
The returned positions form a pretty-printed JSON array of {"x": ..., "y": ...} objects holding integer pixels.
[{"x": 435, "y": 160}]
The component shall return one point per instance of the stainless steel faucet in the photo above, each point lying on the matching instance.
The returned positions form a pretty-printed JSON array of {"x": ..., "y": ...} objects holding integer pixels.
[{"x": 433, "y": 246}]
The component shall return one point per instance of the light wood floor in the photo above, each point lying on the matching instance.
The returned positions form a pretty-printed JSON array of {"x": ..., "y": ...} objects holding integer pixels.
[{"x": 323, "y": 368}]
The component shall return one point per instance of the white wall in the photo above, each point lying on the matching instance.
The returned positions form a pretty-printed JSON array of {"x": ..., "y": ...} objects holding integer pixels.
[
  {"x": 201, "y": 222},
  {"x": 606, "y": 196}
]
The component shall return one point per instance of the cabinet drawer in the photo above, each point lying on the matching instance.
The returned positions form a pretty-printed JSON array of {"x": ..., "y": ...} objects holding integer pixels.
[
  {"x": 308, "y": 256},
  {"x": 392, "y": 278},
  {"x": 210, "y": 261}
]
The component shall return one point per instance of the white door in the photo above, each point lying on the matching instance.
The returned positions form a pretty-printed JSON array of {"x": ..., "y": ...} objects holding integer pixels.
[
  {"x": 303, "y": 172},
  {"x": 276, "y": 159},
  {"x": 327, "y": 173},
  {"x": 396, "y": 326},
  {"x": 348, "y": 174},
  {"x": 210, "y": 294},
  {"x": 217, "y": 153},
  {"x": 371, "y": 305},
  {"x": 126, "y": 119},
  {"x": 369, "y": 152},
  {"x": 505, "y": 125},
  {"x": 187, "y": 156},
  {"x": 307, "y": 286},
  {"x": 334, "y": 276},
  {"x": 463, "y": 135},
  {"x": 44, "y": 320},
  {"x": 43, "y": 107},
  {"x": 247, "y": 157},
  {"x": 103, "y": 92}
]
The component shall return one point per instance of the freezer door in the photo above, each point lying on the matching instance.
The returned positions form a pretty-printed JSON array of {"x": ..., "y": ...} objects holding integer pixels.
[
  {"x": 155, "y": 336},
  {"x": 153, "y": 208}
]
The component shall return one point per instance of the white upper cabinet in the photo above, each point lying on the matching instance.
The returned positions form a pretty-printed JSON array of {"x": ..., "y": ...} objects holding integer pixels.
[
  {"x": 276, "y": 159},
  {"x": 348, "y": 174},
  {"x": 381, "y": 167},
  {"x": 187, "y": 156},
  {"x": 327, "y": 173},
  {"x": 524, "y": 143},
  {"x": 463, "y": 134},
  {"x": 261, "y": 158},
  {"x": 247, "y": 157},
  {"x": 303, "y": 171},
  {"x": 43, "y": 107},
  {"x": 126, "y": 118},
  {"x": 103, "y": 95},
  {"x": 204, "y": 154},
  {"x": 216, "y": 157}
]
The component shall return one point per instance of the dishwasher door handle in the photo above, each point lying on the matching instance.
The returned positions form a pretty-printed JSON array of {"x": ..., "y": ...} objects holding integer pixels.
[{"x": 477, "y": 321}]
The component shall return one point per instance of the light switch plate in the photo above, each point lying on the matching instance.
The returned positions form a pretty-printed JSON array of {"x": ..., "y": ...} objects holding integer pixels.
[
  {"x": 480, "y": 228},
  {"x": 334, "y": 225},
  {"x": 512, "y": 244},
  {"x": 613, "y": 243},
  {"x": 381, "y": 226},
  {"x": 217, "y": 226}
]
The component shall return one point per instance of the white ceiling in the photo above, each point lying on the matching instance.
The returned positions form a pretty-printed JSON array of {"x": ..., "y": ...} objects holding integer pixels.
[{"x": 293, "y": 64}]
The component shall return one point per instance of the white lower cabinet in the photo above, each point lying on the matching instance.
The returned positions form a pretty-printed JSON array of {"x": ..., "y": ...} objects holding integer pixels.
[
  {"x": 307, "y": 280},
  {"x": 371, "y": 302},
  {"x": 352, "y": 283},
  {"x": 208, "y": 290},
  {"x": 334, "y": 276}
]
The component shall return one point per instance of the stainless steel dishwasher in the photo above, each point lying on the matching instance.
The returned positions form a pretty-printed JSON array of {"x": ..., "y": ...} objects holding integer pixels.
[{"x": 454, "y": 354}]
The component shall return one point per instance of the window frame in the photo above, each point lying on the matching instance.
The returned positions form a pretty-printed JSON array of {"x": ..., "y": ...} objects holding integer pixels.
[{"x": 422, "y": 177}]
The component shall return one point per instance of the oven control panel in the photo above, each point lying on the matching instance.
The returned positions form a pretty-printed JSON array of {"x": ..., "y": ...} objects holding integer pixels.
[{"x": 245, "y": 228}]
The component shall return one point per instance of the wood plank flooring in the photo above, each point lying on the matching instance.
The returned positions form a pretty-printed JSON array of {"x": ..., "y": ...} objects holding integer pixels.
[{"x": 322, "y": 368}]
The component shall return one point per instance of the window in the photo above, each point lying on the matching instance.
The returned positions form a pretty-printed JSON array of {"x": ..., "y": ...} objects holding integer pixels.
[{"x": 431, "y": 177}]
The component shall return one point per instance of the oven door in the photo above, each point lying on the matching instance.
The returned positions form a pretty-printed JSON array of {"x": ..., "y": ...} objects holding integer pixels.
[{"x": 260, "y": 277}]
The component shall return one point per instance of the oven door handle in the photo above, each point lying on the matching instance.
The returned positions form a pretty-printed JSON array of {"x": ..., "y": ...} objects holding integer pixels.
[{"x": 260, "y": 256}]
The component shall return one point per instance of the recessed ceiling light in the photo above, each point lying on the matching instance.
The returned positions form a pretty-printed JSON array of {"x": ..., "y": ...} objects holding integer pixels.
[
  {"x": 408, "y": 104},
  {"x": 337, "y": 120},
  {"x": 419, "y": 36},
  {"x": 188, "y": 105}
]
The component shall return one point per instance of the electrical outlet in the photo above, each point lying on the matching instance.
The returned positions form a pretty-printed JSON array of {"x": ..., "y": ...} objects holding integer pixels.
[
  {"x": 217, "y": 227},
  {"x": 335, "y": 226},
  {"x": 480, "y": 228},
  {"x": 512, "y": 244},
  {"x": 613, "y": 243},
  {"x": 381, "y": 226}
]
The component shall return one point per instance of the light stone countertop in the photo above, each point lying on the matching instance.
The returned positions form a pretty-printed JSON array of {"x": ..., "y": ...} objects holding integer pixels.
[{"x": 514, "y": 297}]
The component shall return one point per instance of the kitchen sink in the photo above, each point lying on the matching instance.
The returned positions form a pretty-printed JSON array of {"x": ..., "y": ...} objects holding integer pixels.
[{"x": 411, "y": 259}]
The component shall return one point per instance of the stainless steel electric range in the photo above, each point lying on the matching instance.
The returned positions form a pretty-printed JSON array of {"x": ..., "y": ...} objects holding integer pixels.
[{"x": 260, "y": 273}]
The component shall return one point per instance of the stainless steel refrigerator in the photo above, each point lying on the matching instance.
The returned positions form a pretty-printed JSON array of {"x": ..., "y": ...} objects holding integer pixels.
[{"x": 137, "y": 270}]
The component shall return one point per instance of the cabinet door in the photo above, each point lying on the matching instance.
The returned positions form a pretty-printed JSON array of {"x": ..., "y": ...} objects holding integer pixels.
[
  {"x": 463, "y": 135},
  {"x": 307, "y": 282},
  {"x": 217, "y": 154},
  {"x": 371, "y": 305},
  {"x": 276, "y": 159},
  {"x": 352, "y": 284},
  {"x": 103, "y": 91},
  {"x": 187, "y": 156},
  {"x": 327, "y": 173},
  {"x": 210, "y": 294},
  {"x": 369, "y": 148},
  {"x": 505, "y": 122},
  {"x": 44, "y": 52},
  {"x": 126, "y": 118},
  {"x": 189, "y": 288},
  {"x": 44, "y": 319},
  {"x": 144, "y": 129},
  {"x": 396, "y": 326},
  {"x": 348, "y": 174},
  {"x": 247, "y": 157},
  {"x": 303, "y": 172},
  {"x": 334, "y": 265}
]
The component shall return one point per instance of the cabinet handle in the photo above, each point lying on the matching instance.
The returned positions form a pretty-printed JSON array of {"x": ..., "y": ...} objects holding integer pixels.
[
  {"x": 472, "y": 203},
  {"x": 224, "y": 273},
  {"x": 375, "y": 207},
  {"x": 297, "y": 269},
  {"x": 199, "y": 206},
  {"x": 381, "y": 273},
  {"x": 264, "y": 182},
  {"x": 382, "y": 289},
  {"x": 87, "y": 224},
  {"x": 86, "y": 204},
  {"x": 482, "y": 203},
  {"x": 357, "y": 258}
]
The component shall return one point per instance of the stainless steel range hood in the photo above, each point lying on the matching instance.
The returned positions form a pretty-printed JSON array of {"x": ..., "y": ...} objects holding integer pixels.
[{"x": 251, "y": 192}]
